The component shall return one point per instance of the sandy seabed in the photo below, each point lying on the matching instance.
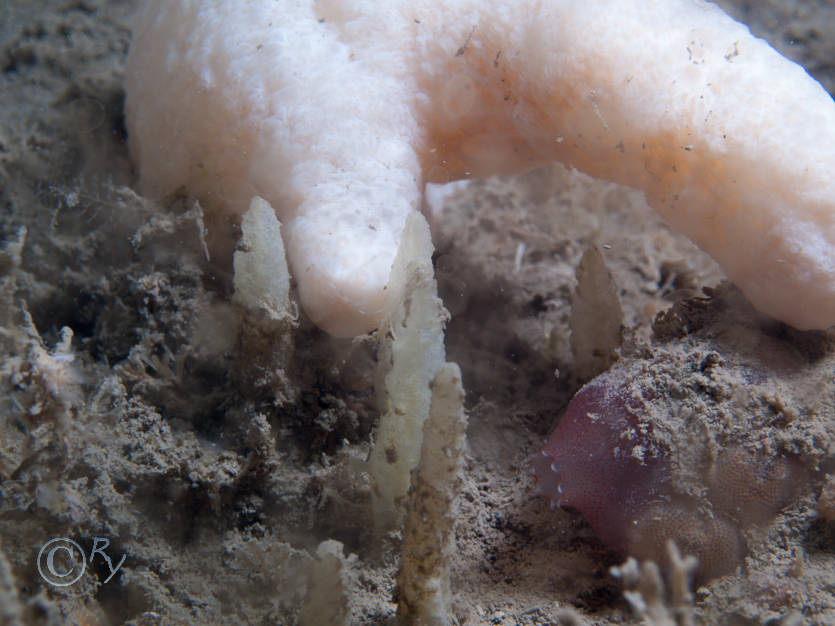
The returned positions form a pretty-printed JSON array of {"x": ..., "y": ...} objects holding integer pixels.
[{"x": 215, "y": 453}]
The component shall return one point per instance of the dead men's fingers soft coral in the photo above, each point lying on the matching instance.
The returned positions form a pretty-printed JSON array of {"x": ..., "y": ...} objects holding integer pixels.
[{"x": 338, "y": 112}]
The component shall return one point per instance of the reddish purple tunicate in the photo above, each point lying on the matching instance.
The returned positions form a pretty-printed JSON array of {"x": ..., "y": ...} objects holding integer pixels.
[
  {"x": 606, "y": 460},
  {"x": 602, "y": 461}
]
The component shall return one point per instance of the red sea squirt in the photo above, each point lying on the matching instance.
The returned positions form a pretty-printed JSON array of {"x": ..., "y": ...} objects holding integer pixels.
[
  {"x": 608, "y": 459},
  {"x": 601, "y": 460}
]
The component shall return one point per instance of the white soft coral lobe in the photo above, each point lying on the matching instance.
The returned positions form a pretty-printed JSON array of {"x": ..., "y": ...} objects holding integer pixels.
[{"x": 338, "y": 112}]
